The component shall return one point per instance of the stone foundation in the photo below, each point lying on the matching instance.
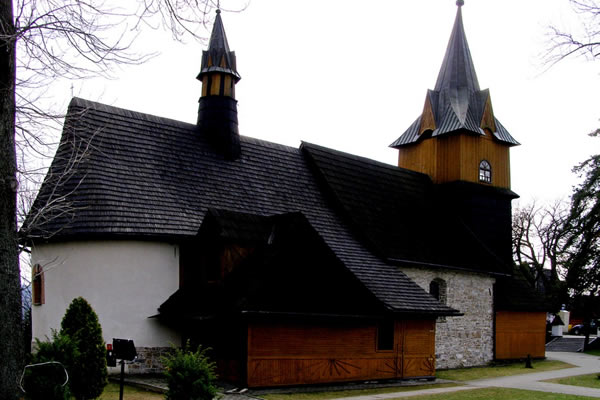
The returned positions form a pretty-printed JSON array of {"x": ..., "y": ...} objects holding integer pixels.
[
  {"x": 148, "y": 361},
  {"x": 468, "y": 340}
]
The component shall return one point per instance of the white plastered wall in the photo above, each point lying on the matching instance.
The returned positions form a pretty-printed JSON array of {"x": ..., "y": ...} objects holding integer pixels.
[{"x": 124, "y": 281}]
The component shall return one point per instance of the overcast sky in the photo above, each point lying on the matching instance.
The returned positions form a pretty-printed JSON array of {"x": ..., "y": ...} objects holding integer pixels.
[{"x": 352, "y": 75}]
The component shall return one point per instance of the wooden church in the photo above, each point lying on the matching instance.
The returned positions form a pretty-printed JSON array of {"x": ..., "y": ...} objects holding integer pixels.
[{"x": 296, "y": 265}]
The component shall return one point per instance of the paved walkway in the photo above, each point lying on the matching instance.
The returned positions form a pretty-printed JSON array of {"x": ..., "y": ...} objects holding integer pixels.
[{"x": 584, "y": 363}]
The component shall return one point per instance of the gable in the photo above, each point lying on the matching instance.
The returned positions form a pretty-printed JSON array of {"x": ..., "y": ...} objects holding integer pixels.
[{"x": 280, "y": 264}]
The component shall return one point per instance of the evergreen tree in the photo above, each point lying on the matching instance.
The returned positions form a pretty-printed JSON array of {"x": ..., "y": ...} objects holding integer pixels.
[
  {"x": 583, "y": 266},
  {"x": 87, "y": 371},
  {"x": 45, "y": 379}
]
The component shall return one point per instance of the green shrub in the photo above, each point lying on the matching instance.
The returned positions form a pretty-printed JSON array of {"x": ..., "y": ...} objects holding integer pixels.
[
  {"x": 190, "y": 374},
  {"x": 88, "y": 373},
  {"x": 44, "y": 380}
]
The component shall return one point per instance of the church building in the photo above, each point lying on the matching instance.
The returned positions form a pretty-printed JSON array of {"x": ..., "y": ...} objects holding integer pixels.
[{"x": 295, "y": 265}]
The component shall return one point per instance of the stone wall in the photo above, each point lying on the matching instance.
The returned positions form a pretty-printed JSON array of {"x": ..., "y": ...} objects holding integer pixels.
[
  {"x": 148, "y": 361},
  {"x": 467, "y": 340}
]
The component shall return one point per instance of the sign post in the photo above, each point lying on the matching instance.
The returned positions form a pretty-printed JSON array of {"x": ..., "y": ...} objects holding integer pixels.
[{"x": 124, "y": 350}]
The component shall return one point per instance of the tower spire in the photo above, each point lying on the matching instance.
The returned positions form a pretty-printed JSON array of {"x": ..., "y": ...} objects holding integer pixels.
[
  {"x": 218, "y": 57},
  {"x": 458, "y": 71},
  {"x": 217, "y": 112},
  {"x": 458, "y": 109}
]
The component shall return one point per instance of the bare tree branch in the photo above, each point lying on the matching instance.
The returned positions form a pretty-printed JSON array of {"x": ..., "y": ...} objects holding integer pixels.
[{"x": 580, "y": 41}]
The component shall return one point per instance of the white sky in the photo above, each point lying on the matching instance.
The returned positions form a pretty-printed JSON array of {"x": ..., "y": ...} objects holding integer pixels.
[{"x": 352, "y": 75}]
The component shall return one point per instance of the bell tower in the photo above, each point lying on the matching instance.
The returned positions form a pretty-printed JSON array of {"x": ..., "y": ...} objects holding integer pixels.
[
  {"x": 217, "y": 112},
  {"x": 457, "y": 137}
]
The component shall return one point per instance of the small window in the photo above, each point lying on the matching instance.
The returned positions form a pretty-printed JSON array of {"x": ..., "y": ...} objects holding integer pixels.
[
  {"x": 37, "y": 282},
  {"x": 434, "y": 289},
  {"x": 485, "y": 172},
  {"x": 438, "y": 289},
  {"x": 385, "y": 335}
]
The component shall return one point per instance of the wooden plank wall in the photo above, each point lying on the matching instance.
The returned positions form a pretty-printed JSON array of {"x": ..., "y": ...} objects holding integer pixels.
[
  {"x": 309, "y": 353},
  {"x": 419, "y": 349},
  {"x": 457, "y": 157},
  {"x": 519, "y": 334}
]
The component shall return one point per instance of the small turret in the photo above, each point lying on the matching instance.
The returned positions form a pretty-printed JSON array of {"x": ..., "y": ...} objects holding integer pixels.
[{"x": 217, "y": 112}]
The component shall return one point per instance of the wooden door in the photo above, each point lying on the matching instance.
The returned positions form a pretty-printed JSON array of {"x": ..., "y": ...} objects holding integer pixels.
[{"x": 418, "y": 348}]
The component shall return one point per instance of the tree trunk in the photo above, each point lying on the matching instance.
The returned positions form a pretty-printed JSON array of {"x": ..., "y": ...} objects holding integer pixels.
[{"x": 10, "y": 288}]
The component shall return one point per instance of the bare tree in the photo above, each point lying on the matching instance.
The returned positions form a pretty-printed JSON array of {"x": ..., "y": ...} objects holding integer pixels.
[
  {"x": 10, "y": 288},
  {"x": 583, "y": 239},
  {"x": 582, "y": 40},
  {"x": 539, "y": 239},
  {"x": 42, "y": 41}
]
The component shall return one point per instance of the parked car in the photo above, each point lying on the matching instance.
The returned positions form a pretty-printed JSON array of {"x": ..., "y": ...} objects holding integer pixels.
[{"x": 578, "y": 329}]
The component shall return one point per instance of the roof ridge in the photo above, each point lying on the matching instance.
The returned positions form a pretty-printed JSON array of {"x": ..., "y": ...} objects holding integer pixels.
[
  {"x": 268, "y": 143},
  {"x": 355, "y": 157},
  {"x": 124, "y": 112}
]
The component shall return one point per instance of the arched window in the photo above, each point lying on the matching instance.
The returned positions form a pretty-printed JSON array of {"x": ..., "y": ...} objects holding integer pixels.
[
  {"x": 37, "y": 282},
  {"x": 438, "y": 289},
  {"x": 485, "y": 172},
  {"x": 434, "y": 289}
]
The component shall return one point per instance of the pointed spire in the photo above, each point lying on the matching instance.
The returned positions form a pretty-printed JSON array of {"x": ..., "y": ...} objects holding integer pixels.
[
  {"x": 457, "y": 77},
  {"x": 218, "y": 57},
  {"x": 457, "y": 102}
]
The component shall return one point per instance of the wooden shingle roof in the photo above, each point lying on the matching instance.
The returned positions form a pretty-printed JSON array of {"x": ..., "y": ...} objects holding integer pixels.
[
  {"x": 514, "y": 293},
  {"x": 143, "y": 176},
  {"x": 401, "y": 214}
]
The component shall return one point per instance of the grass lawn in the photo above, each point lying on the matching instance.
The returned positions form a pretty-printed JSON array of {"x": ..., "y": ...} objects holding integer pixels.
[
  {"x": 468, "y": 374},
  {"x": 347, "y": 393},
  {"x": 111, "y": 392},
  {"x": 499, "y": 394},
  {"x": 593, "y": 352},
  {"x": 590, "y": 381}
]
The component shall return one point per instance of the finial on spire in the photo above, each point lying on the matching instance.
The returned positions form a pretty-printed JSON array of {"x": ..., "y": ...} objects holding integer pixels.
[{"x": 460, "y": 3}]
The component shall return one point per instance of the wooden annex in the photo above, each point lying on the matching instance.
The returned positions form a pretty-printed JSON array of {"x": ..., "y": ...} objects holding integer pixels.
[
  {"x": 520, "y": 334},
  {"x": 520, "y": 321},
  {"x": 309, "y": 353}
]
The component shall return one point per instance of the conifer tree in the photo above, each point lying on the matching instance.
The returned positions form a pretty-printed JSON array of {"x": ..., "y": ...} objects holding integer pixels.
[{"x": 87, "y": 371}]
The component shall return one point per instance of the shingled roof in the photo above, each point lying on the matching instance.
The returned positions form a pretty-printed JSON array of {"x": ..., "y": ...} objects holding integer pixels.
[
  {"x": 514, "y": 293},
  {"x": 143, "y": 176},
  {"x": 400, "y": 214}
]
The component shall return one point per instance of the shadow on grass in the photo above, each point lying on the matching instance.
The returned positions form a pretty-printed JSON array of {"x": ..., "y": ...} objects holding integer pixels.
[{"x": 500, "y": 370}]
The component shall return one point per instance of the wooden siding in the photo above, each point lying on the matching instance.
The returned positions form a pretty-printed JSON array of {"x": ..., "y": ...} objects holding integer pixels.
[
  {"x": 310, "y": 353},
  {"x": 519, "y": 334},
  {"x": 457, "y": 157},
  {"x": 218, "y": 84},
  {"x": 427, "y": 117},
  {"x": 488, "y": 122}
]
